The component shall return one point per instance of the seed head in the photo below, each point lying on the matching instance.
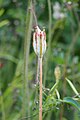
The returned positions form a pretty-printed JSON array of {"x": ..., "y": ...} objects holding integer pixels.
[
  {"x": 57, "y": 73},
  {"x": 39, "y": 42}
]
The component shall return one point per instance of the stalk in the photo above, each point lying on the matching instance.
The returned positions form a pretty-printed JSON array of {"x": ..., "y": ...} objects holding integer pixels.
[
  {"x": 40, "y": 97},
  {"x": 26, "y": 100},
  {"x": 2, "y": 107},
  {"x": 49, "y": 42}
]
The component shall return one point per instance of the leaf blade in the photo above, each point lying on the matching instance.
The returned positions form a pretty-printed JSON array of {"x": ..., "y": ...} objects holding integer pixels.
[{"x": 71, "y": 101}]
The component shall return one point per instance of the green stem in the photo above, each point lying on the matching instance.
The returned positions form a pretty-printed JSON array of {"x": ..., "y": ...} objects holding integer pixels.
[
  {"x": 2, "y": 106},
  {"x": 2, "y": 102},
  {"x": 49, "y": 41},
  {"x": 29, "y": 18},
  {"x": 54, "y": 87}
]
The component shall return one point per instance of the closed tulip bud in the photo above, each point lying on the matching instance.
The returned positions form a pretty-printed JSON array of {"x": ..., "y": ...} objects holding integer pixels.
[
  {"x": 57, "y": 73},
  {"x": 39, "y": 42}
]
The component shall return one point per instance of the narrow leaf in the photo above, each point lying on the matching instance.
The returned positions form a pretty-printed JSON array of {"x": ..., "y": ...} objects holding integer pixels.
[
  {"x": 72, "y": 86},
  {"x": 71, "y": 101},
  {"x": 54, "y": 87}
]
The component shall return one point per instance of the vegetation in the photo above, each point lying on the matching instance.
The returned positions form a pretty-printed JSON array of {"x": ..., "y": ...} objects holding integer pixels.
[{"x": 19, "y": 65}]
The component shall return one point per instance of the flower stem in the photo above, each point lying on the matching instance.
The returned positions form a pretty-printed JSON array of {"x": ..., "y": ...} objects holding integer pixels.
[{"x": 40, "y": 97}]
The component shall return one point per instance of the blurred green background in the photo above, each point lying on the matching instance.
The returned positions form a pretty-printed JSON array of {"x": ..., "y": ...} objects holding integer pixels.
[{"x": 61, "y": 20}]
